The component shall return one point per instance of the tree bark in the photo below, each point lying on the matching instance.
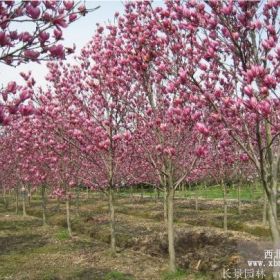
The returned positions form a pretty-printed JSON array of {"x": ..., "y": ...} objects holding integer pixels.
[
  {"x": 264, "y": 220},
  {"x": 239, "y": 199},
  {"x": 170, "y": 230},
  {"x": 4, "y": 197},
  {"x": 196, "y": 199},
  {"x": 29, "y": 195},
  {"x": 273, "y": 222},
  {"x": 23, "y": 204},
  {"x": 43, "y": 192},
  {"x": 225, "y": 207},
  {"x": 112, "y": 221},
  {"x": 68, "y": 216},
  {"x": 142, "y": 192},
  {"x": 165, "y": 206},
  {"x": 78, "y": 201},
  {"x": 16, "y": 200}
]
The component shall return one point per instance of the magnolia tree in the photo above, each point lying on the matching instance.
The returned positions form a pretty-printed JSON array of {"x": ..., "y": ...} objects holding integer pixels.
[
  {"x": 233, "y": 59},
  {"x": 168, "y": 117},
  {"x": 59, "y": 133},
  {"x": 31, "y": 31},
  {"x": 94, "y": 96}
]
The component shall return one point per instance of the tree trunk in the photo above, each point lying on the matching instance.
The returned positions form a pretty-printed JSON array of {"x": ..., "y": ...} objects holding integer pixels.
[
  {"x": 78, "y": 201},
  {"x": 4, "y": 197},
  {"x": 273, "y": 222},
  {"x": 264, "y": 220},
  {"x": 142, "y": 192},
  {"x": 185, "y": 191},
  {"x": 239, "y": 199},
  {"x": 112, "y": 221},
  {"x": 196, "y": 199},
  {"x": 165, "y": 206},
  {"x": 87, "y": 193},
  {"x": 225, "y": 206},
  {"x": 170, "y": 230},
  {"x": 16, "y": 200},
  {"x": 158, "y": 194},
  {"x": 29, "y": 196},
  {"x": 23, "y": 204},
  {"x": 43, "y": 191},
  {"x": 68, "y": 216}
]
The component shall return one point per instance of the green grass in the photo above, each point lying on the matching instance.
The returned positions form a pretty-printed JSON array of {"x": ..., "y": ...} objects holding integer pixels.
[
  {"x": 247, "y": 192},
  {"x": 30, "y": 251},
  {"x": 116, "y": 275},
  {"x": 62, "y": 234},
  {"x": 177, "y": 275}
]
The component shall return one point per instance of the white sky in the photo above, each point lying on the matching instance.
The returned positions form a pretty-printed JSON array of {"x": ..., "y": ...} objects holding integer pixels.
[{"x": 78, "y": 32}]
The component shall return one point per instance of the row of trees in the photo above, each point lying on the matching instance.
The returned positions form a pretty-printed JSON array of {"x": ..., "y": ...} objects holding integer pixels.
[{"x": 166, "y": 96}]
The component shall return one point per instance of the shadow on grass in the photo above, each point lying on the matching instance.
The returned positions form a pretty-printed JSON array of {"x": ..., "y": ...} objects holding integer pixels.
[
  {"x": 98, "y": 274},
  {"x": 20, "y": 243},
  {"x": 19, "y": 225}
]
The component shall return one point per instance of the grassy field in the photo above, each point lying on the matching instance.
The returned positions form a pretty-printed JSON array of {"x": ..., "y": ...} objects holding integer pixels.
[
  {"x": 30, "y": 251},
  {"x": 247, "y": 192}
]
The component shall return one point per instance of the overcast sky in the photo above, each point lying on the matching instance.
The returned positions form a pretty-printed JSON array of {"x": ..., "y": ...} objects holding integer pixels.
[{"x": 79, "y": 33}]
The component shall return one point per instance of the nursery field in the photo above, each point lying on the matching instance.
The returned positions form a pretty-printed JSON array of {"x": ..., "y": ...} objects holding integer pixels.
[
  {"x": 139, "y": 140},
  {"x": 204, "y": 250}
]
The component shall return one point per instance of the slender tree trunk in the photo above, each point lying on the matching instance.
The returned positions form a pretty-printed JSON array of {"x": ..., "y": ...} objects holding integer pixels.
[
  {"x": 23, "y": 204},
  {"x": 239, "y": 199},
  {"x": 29, "y": 196},
  {"x": 16, "y": 200},
  {"x": 185, "y": 191},
  {"x": 87, "y": 193},
  {"x": 142, "y": 192},
  {"x": 78, "y": 202},
  {"x": 43, "y": 192},
  {"x": 4, "y": 195},
  {"x": 170, "y": 230},
  {"x": 225, "y": 206},
  {"x": 273, "y": 222},
  {"x": 112, "y": 221},
  {"x": 158, "y": 194},
  {"x": 5, "y": 199},
  {"x": 68, "y": 216},
  {"x": 264, "y": 220},
  {"x": 196, "y": 199},
  {"x": 165, "y": 206}
]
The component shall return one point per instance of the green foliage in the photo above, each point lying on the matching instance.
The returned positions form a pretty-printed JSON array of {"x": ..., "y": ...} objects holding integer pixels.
[
  {"x": 116, "y": 275},
  {"x": 177, "y": 275},
  {"x": 62, "y": 234}
]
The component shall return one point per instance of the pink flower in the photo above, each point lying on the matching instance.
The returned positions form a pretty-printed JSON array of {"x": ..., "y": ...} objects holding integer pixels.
[
  {"x": 60, "y": 21},
  {"x": 72, "y": 17},
  {"x": 26, "y": 110},
  {"x": 163, "y": 127},
  {"x": 30, "y": 54},
  {"x": 202, "y": 129},
  {"x": 12, "y": 87},
  {"x": 57, "y": 51},
  {"x": 265, "y": 107},
  {"x": 201, "y": 151},
  {"x": 57, "y": 34},
  {"x": 33, "y": 12},
  {"x": 270, "y": 81},
  {"x": 44, "y": 36},
  {"x": 68, "y": 5},
  {"x": 248, "y": 91}
]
